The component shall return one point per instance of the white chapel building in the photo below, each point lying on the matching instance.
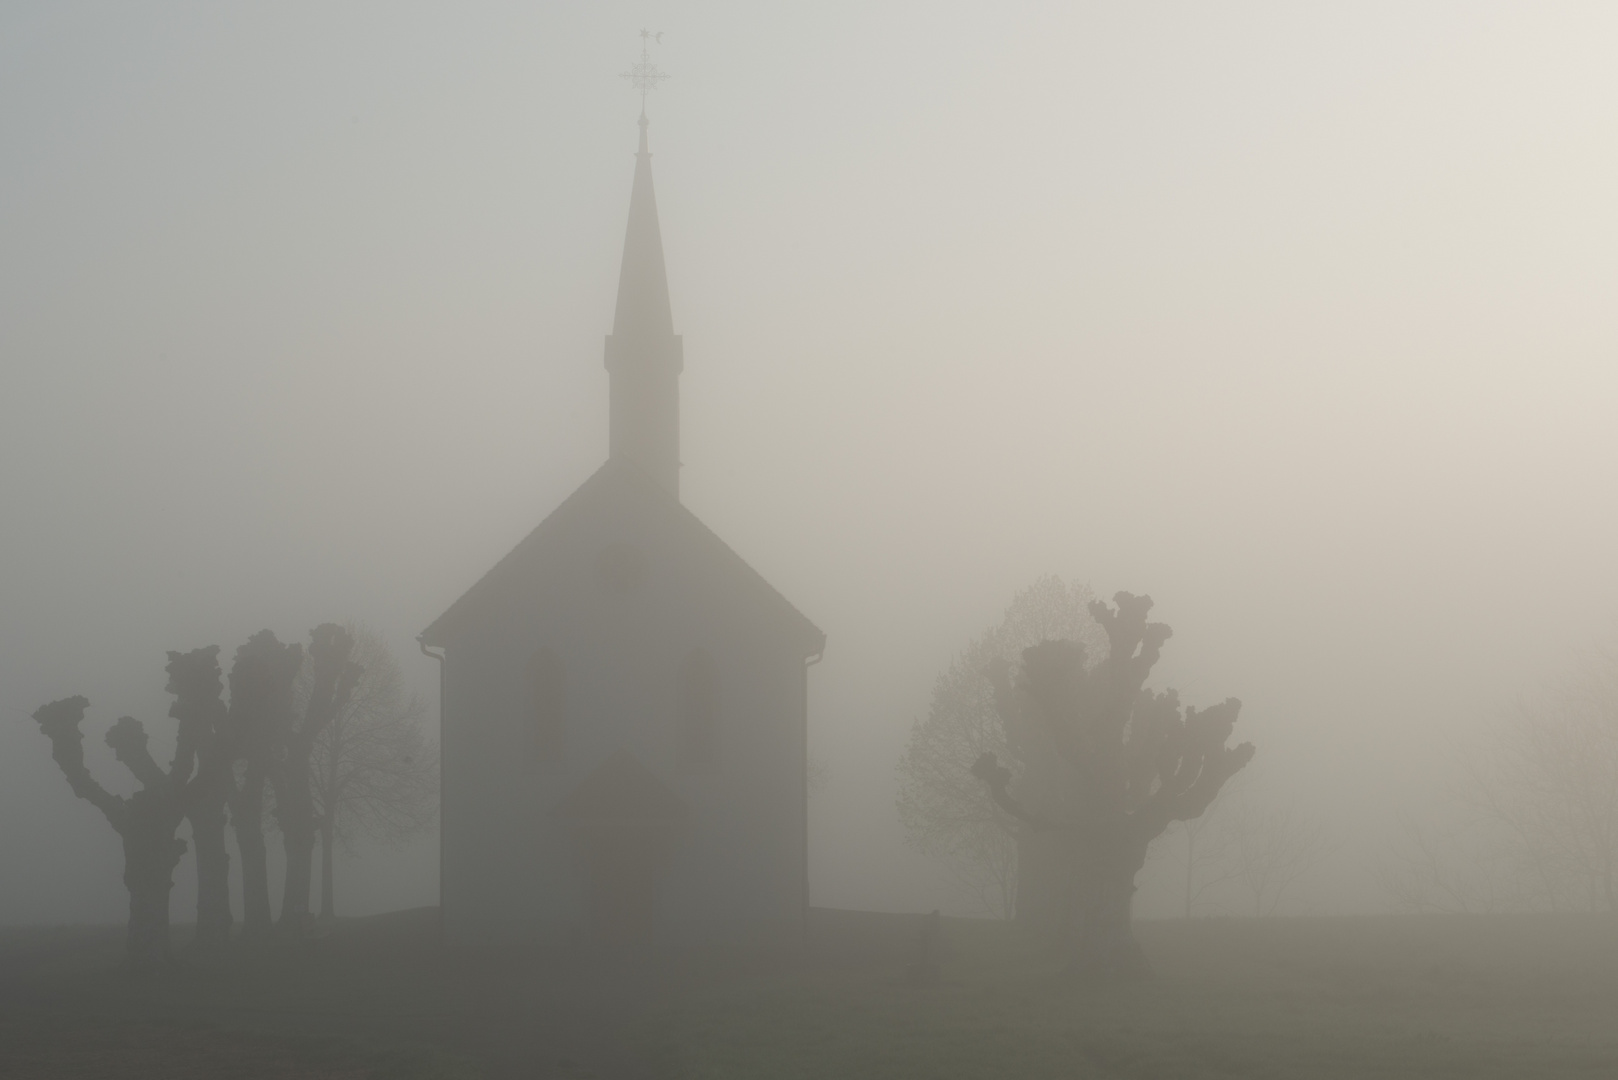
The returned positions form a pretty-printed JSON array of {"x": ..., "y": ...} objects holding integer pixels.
[{"x": 625, "y": 700}]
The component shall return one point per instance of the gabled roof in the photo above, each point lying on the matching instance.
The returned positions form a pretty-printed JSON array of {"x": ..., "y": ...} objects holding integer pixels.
[
  {"x": 619, "y": 479},
  {"x": 621, "y": 787}
]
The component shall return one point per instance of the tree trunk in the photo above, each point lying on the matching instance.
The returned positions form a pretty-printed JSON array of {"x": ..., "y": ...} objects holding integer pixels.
[
  {"x": 299, "y": 881},
  {"x": 1103, "y": 946},
  {"x": 294, "y": 812},
  {"x": 328, "y": 896},
  {"x": 147, "y": 940},
  {"x": 1190, "y": 863},
  {"x": 247, "y": 820},
  {"x": 151, "y": 852},
  {"x": 333, "y": 684},
  {"x": 1044, "y": 883},
  {"x": 213, "y": 872}
]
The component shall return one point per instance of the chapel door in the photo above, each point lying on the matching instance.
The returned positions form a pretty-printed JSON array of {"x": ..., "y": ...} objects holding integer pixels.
[
  {"x": 628, "y": 862},
  {"x": 624, "y": 821}
]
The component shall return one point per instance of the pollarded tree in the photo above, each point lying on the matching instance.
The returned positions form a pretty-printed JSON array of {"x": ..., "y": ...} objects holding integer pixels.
[
  {"x": 947, "y": 813},
  {"x": 1133, "y": 764},
  {"x": 1544, "y": 790},
  {"x": 374, "y": 772},
  {"x": 145, "y": 821},
  {"x": 261, "y": 678},
  {"x": 199, "y": 706}
]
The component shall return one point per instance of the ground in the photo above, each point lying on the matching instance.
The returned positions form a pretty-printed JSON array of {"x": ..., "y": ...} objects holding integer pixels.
[{"x": 1445, "y": 996}]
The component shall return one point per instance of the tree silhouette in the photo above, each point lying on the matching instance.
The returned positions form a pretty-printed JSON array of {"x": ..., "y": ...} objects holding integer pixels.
[
  {"x": 199, "y": 706},
  {"x": 1207, "y": 848},
  {"x": 374, "y": 771},
  {"x": 261, "y": 678},
  {"x": 1544, "y": 786},
  {"x": 226, "y": 756},
  {"x": 1274, "y": 843},
  {"x": 146, "y": 821},
  {"x": 945, "y": 812},
  {"x": 1133, "y": 764},
  {"x": 332, "y": 679}
]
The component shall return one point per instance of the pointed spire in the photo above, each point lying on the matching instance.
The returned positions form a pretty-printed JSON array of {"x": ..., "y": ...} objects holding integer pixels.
[
  {"x": 644, "y": 355},
  {"x": 643, "y": 284}
]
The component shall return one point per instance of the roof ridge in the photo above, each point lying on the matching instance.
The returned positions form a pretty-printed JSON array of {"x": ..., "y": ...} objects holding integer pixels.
[{"x": 610, "y": 470}]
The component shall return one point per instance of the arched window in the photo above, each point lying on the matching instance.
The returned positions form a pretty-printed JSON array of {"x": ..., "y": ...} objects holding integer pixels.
[
  {"x": 547, "y": 706},
  {"x": 699, "y": 706}
]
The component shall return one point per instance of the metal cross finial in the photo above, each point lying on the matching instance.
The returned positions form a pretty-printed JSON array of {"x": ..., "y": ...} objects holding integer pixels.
[{"x": 644, "y": 76}]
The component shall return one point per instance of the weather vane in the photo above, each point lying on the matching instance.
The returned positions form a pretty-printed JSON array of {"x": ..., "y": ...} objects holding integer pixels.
[{"x": 644, "y": 76}]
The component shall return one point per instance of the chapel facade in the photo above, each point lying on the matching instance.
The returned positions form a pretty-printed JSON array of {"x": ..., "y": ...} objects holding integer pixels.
[{"x": 624, "y": 699}]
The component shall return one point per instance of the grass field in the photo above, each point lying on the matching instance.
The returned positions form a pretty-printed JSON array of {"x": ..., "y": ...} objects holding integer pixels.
[{"x": 1444, "y": 996}]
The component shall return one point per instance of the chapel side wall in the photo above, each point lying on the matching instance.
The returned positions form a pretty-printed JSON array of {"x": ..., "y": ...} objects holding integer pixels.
[
  {"x": 506, "y": 864},
  {"x": 465, "y": 836},
  {"x": 477, "y": 867}
]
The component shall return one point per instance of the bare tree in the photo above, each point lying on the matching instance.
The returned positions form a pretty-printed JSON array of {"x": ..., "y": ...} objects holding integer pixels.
[
  {"x": 373, "y": 770},
  {"x": 1546, "y": 783},
  {"x": 145, "y": 821},
  {"x": 1274, "y": 844},
  {"x": 332, "y": 678},
  {"x": 947, "y": 813},
  {"x": 1133, "y": 765},
  {"x": 1207, "y": 852},
  {"x": 1451, "y": 867},
  {"x": 989, "y": 873}
]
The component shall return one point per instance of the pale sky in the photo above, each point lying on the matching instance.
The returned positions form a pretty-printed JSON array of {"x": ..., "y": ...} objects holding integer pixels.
[{"x": 1298, "y": 317}]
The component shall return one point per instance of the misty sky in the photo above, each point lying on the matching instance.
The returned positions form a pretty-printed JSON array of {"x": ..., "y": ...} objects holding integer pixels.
[{"x": 1298, "y": 317}]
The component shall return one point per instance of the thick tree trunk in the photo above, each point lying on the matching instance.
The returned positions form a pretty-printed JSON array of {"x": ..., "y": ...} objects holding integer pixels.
[
  {"x": 1103, "y": 946},
  {"x": 147, "y": 940},
  {"x": 151, "y": 852},
  {"x": 256, "y": 917},
  {"x": 247, "y": 820},
  {"x": 1044, "y": 883},
  {"x": 299, "y": 881},
  {"x": 328, "y": 895},
  {"x": 214, "y": 916}
]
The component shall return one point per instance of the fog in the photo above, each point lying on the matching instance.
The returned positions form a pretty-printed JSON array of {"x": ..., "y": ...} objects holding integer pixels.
[{"x": 1296, "y": 317}]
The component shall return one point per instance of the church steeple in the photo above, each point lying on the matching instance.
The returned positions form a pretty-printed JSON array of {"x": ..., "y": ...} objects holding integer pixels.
[{"x": 644, "y": 355}]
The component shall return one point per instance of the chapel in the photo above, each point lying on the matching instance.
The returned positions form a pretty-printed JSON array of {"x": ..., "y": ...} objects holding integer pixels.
[{"x": 624, "y": 699}]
